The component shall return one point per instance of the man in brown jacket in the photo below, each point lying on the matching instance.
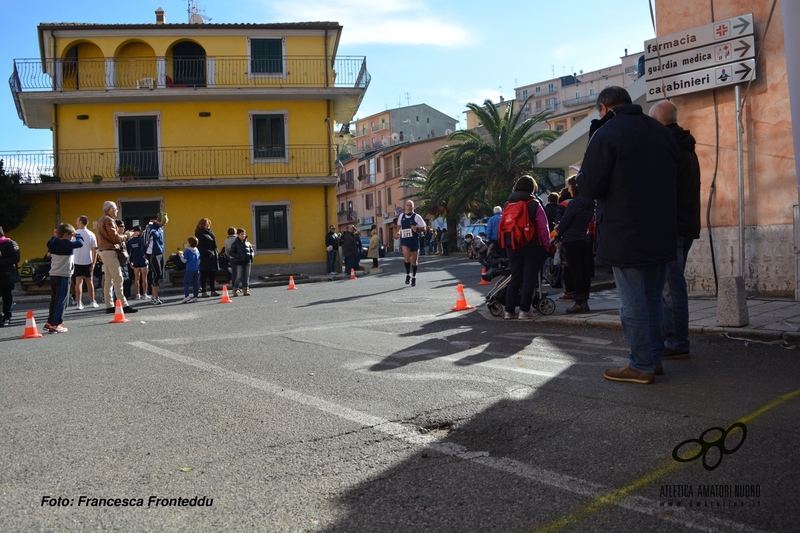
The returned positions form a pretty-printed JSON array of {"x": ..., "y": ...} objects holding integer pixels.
[{"x": 108, "y": 240}]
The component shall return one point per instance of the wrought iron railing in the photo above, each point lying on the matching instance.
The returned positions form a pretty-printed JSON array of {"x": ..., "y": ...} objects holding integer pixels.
[
  {"x": 170, "y": 163},
  {"x": 579, "y": 101},
  {"x": 347, "y": 216},
  {"x": 171, "y": 73}
]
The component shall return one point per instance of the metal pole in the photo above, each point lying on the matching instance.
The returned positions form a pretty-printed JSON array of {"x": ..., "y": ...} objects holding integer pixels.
[{"x": 740, "y": 175}]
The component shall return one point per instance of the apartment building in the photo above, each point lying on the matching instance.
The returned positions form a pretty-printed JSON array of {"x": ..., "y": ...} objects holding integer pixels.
[
  {"x": 370, "y": 190},
  {"x": 571, "y": 98},
  {"x": 233, "y": 122},
  {"x": 400, "y": 125}
]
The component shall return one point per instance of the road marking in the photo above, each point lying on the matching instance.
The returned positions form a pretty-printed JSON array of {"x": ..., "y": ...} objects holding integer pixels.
[{"x": 410, "y": 435}]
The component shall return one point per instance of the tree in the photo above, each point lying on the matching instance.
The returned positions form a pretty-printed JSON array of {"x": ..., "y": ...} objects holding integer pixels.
[
  {"x": 12, "y": 209},
  {"x": 484, "y": 167}
]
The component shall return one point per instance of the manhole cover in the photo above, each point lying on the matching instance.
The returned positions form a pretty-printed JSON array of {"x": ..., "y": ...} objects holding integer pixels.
[{"x": 410, "y": 300}]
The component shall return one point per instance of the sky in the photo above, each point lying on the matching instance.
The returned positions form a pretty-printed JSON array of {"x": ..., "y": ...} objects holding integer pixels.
[{"x": 444, "y": 53}]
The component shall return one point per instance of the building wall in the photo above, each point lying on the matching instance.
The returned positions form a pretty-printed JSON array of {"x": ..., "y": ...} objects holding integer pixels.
[{"x": 769, "y": 160}]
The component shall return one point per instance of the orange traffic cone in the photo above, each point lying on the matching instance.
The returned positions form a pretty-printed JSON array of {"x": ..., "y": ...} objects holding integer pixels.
[
  {"x": 226, "y": 299},
  {"x": 291, "y": 284},
  {"x": 353, "y": 273},
  {"x": 31, "y": 332},
  {"x": 119, "y": 314},
  {"x": 461, "y": 301},
  {"x": 483, "y": 280}
]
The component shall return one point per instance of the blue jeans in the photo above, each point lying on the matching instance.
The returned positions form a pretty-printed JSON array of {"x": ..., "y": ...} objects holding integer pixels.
[
  {"x": 676, "y": 301},
  {"x": 243, "y": 275},
  {"x": 641, "y": 313},
  {"x": 191, "y": 278},
  {"x": 331, "y": 265}
]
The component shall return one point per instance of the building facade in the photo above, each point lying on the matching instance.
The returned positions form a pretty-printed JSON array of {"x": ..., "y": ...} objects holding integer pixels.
[
  {"x": 231, "y": 122},
  {"x": 400, "y": 125}
]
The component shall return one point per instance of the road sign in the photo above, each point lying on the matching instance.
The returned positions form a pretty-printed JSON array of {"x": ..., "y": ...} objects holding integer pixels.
[
  {"x": 699, "y": 58},
  {"x": 701, "y": 80},
  {"x": 715, "y": 32}
]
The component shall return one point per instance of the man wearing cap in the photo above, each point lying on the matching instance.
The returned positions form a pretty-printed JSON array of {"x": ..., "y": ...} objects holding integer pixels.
[{"x": 153, "y": 243}]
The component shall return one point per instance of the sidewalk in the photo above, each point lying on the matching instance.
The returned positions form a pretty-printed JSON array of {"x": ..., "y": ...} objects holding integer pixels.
[{"x": 770, "y": 319}]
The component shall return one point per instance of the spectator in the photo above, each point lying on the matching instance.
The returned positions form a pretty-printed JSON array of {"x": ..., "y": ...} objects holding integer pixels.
[
  {"x": 109, "y": 240},
  {"x": 242, "y": 255},
  {"x": 85, "y": 259},
  {"x": 154, "y": 247},
  {"x": 630, "y": 167},
  {"x": 9, "y": 275},
  {"x": 332, "y": 249},
  {"x": 373, "y": 252},
  {"x": 572, "y": 230},
  {"x": 209, "y": 260},
  {"x": 61, "y": 247}
]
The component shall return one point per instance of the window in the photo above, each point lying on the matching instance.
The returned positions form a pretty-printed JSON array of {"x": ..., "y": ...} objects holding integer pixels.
[
  {"x": 266, "y": 56},
  {"x": 362, "y": 172},
  {"x": 388, "y": 168},
  {"x": 349, "y": 180},
  {"x": 559, "y": 127},
  {"x": 272, "y": 231},
  {"x": 368, "y": 203},
  {"x": 388, "y": 196},
  {"x": 538, "y": 90},
  {"x": 378, "y": 162},
  {"x": 551, "y": 102},
  {"x": 551, "y": 88},
  {"x": 269, "y": 136},
  {"x": 577, "y": 94},
  {"x": 591, "y": 91},
  {"x": 525, "y": 93},
  {"x": 397, "y": 167},
  {"x": 138, "y": 146},
  {"x": 372, "y": 171},
  {"x": 428, "y": 120}
]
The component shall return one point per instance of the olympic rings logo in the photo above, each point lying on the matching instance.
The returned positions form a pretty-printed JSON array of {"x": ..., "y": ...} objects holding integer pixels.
[{"x": 707, "y": 445}]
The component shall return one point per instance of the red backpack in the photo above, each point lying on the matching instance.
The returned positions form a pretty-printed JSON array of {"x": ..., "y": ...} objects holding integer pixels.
[{"x": 516, "y": 229}]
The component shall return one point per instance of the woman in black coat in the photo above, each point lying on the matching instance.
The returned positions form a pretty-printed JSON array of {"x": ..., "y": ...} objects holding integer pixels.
[
  {"x": 572, "y": 230},
  {"x": 209, "y": 259}
]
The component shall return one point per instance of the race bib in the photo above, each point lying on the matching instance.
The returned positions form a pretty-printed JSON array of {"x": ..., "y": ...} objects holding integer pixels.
[{"x": 406, "y": 233}]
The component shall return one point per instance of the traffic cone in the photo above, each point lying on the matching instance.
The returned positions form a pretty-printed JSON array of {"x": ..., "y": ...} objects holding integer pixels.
[
  {"x": 119, "y": 314},
  {"x": 291, "y": 284},
  {"x": 461, "y": 301},
  {"x": 226, "y": 299},
  {"x": 483, "y": 280},
  {"x": 353, "y": 273},
  {"x": 31, "y": 332}
]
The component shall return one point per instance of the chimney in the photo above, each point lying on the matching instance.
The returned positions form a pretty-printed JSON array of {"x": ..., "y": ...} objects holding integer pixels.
[
  {"x": 161, "y": 17},
  {"x": 502, "y": 99}
]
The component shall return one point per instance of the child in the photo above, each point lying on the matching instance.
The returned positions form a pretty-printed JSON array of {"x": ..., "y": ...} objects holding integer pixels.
[
  {"x": 242, "y": 254},
  {"x": 61, "y": 248},
  {"x": 191, "y": 276},
  {"x": 477, "y": 246}
]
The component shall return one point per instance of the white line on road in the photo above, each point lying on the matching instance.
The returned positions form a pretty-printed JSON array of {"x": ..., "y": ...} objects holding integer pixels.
[{"x": 410, "y": 435}]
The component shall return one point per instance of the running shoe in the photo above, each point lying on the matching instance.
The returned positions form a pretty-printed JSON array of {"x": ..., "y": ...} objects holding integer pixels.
[
  {"x": 55, "y": 329},
  {"x": 186, "y": 300},
  {"x": 408, "y": 279},
  {"x": 95, "y": 304},
  {"x": 413, "y": 282},
  {"x": 80, "y": 305},
  {"x": 156, "y": 301}
]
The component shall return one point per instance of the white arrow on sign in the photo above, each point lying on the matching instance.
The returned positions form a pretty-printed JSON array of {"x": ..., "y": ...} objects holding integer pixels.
[
  {"x": 701, "y": 80},
  {"x": 715, "y": 32},
  {"x": 700, "y": 58}
]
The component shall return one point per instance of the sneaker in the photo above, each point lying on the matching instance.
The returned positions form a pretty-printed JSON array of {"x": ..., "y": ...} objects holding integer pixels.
[
  {"x": 408, "y": 279},
  {"x": 156, "y": 301},
  {"x": 629, "y": 375},
  {"x": 80, "y": 305},
  {"x": 670, "y": 354},
  {"x": 72, "y": 301},
  {"x": 138, "y": 296},
  {"x": 246, "y": 292},
  {"x": 235, "y": 293},
  {"x": 186, "y": 300},
  {"x": 658, "y": 370},
  {"x": 526, "y": 315},
  {"x": 204, "y": 295},
  {"x": 508, "y": 316},
  {"x": 128, "y": 310},
  {"x": 214, "y": 293},
  {"x": 567, "y": 297},
  {"x": 413, "y": 282},
  {"x": 95, "y": 304},
  {"x": 55, "y": 329}
]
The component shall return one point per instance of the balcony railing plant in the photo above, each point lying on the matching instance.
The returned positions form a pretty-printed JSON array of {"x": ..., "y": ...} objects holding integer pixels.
[
  {"x": 187, "y": 72},
  {"x": 168, "y": 163}
]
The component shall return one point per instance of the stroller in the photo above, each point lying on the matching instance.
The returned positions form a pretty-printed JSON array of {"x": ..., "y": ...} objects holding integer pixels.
[{"x": 496, "y": 297}]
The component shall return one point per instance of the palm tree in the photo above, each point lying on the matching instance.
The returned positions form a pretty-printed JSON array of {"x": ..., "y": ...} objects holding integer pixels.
[{"x": 487, "y": 165}]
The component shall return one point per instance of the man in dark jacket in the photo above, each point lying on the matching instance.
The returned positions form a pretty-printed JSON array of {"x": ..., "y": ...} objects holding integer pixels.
[
  {"x": 675, "y": 297},
  {"x": 9, "y": 257},
  {"x": 630, "y": 168},
  {"x": 332, "y": 247}
]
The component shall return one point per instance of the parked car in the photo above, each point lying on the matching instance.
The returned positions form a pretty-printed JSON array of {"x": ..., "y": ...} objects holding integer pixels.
[{"x": 365, "y": 247}]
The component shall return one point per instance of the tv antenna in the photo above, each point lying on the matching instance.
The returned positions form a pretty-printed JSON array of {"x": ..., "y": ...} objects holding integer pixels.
[{"x": 195, "y": 15}]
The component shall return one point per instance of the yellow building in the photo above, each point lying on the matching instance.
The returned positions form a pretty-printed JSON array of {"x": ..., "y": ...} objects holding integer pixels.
[{"x": 233, "y": 122}]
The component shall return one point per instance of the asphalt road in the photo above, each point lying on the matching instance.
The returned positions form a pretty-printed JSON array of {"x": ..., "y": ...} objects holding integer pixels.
[{"x": 368, "y": 406}]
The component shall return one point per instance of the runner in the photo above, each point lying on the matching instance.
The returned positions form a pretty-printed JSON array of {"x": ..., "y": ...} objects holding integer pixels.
[{"x": 410, "y": 225}]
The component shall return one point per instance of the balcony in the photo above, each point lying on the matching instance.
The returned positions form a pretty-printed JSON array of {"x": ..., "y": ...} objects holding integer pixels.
[
  {"x": 146, "y": 79},
  {"x": 349, "y": 216},
  {"x": 583, "y": 100},
  {"x": 380, "y": 127},
  {"x": 166, "y": 164}
]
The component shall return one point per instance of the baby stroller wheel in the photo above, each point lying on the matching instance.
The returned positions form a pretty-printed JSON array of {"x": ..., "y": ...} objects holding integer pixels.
[
  {"x": 546, "y": 306},
  {"x": 496, "y": 308}
]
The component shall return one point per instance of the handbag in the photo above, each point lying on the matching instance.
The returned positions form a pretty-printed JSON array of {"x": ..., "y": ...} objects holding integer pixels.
[
  {"x": 12, "y": 276},
  {"x": 122, "y": 255}
]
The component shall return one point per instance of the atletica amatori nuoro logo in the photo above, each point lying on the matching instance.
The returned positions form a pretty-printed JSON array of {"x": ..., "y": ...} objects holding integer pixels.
[{"x": 702, "y": 446}]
